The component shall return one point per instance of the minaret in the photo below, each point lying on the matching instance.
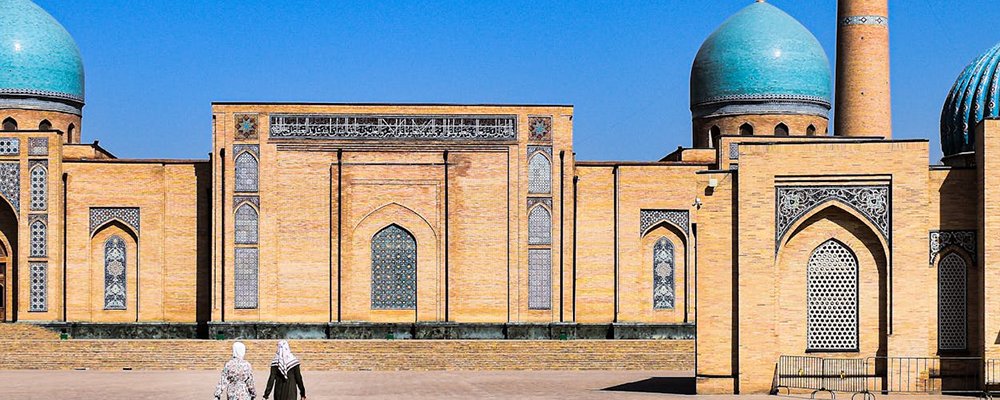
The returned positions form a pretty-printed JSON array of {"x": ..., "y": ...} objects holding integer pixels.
[{"x": 862, "y": 98}]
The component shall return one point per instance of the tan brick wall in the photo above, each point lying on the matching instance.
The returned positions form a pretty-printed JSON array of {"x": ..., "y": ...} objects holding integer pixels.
[
  {"x": 28, "y": 120},
  {"x": 763, "y": 125},
  {"x": 863, "y": 106}
]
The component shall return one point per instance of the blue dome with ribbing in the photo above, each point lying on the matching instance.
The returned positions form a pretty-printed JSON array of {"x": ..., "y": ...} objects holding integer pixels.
[
  {"x": 38, "y": 57},
  {"x": 973, "y": 98},
  {"x": 760, "y": 54}
]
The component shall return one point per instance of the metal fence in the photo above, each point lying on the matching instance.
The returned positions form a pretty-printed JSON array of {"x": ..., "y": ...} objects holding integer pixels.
[
  {"x": 822, "y": 374},
  {"x": 866, "y": 376}
]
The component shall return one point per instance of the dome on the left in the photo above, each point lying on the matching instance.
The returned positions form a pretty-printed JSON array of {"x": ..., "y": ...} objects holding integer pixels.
[{"x": 38, "y": 57}]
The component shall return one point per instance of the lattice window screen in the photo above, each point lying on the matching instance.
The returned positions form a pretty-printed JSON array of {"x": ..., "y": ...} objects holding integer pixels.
[
  {"x": 246, "y": 173},
  {"x": 394, "y": 269},
  {"x": 663, "y": 273},
  {"x": 539, "y": 279},
  {"x": 39, "y": 188},
  {"x": 245, "y": 278},
  {"x": 539, "y": 174},
  {"x": 832, "y": 298},
  {"x": 115, "y": 264},
  {"x": 952, "y": 317},
  {"x": 246, "y": 225},
  {"x": 39, "y": 240},
  {"x": 539, "y": 226},
  {"x": 38, "y": 295}
]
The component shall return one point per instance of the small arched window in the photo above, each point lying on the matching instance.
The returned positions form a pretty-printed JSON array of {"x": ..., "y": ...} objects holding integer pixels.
[
  {"x": 539, "y": 174},
  {"x": 714, "y": 134},
  {"x": 39, "y": 188},
  {"x": 114, "y": 273},
  {"x": 746, "y": 129},
  {"x": 69, "y": 132},
  {"x": 246, "y": 225},
  {"x": 45, "y": 125},
  {"x": 811, "y": 130},
  {"x": 38, "y": 239},
  {"x": 781, "y": 130},
  {"x": 539, "y": 226},
  {"x": 246, "y": 172},
  {"x": 9, "y": 124}
]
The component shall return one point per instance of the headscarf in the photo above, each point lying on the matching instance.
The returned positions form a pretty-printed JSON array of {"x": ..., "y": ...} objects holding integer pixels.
[
  {"x": 239, "y": 350},
  {"x": 284, "y": 359}
]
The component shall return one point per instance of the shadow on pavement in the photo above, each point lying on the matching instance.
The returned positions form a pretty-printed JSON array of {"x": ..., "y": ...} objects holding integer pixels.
[{"x": 670, "y": 385}]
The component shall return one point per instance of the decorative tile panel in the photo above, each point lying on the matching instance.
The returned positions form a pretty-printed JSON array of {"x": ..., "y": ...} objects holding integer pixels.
[
  {"x": 879, "y": 20},
  {"x": 115, "y": 273},
  {"x": 539, "y": 279},
  {"x": 663, "y": 274},
  {"x": 394, "y": 269},
  {"x": 39, "y": 188},
  {"x": 246, "y": 126},
  {"x": 832, "y": 298},
  {"x": 38, "y": 232},
  {"x": 539, "y": 174},
  {"x": 539, "y": 226},
  {"x": 39, "y": 291},
  {"x": 540, "y": 128},
  {"x": 952, "y": 298},
  {"x": 255, "y": 200},
  {"x": 10, "y": 146},
  {"x": 246, "y": 225},
  {"x": 246, "y": 170},
  {"x": 10, "y": 183},
  {"x": 394, "y": 127},
  {"x": 734, "y": 151},
  {"x": 101, "y": 215},
  {"x": 678, "y": 218},
  {"x": 533, "y": 201},
  {"x": 38, "y": 146},
  {"x": 245, "y": 278},
  {"x": 966, "y": 240},
  {"x": 792, "y": 202}
]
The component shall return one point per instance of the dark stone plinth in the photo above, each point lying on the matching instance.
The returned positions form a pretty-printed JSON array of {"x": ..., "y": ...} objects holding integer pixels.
[
  {"x": 651, "y": 331},
  {"x": 133, "y": 330}
]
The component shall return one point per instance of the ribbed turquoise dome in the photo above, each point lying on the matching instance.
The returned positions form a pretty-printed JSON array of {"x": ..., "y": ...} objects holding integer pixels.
[
  {"x": 973, "y": 97},
  {"x": 38, "y": 57},
  {"x": 760, "y": 54}
]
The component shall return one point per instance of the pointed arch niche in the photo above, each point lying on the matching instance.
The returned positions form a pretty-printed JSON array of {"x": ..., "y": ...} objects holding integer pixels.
[{"x": 113, "y": 265}]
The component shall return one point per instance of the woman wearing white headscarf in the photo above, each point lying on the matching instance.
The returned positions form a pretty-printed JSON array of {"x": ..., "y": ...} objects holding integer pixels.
[
  {"x": 285, "y": 376},
  {"x": 237, "y": 376}
]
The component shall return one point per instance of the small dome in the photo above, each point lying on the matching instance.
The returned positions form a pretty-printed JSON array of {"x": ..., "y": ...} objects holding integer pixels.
[
  {"x": 761, "y": 54},
  {"x": 38, "y": 57},
  {"x": 973, "y": 98}
]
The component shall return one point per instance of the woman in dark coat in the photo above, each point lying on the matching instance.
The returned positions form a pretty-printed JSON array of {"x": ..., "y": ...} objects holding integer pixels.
[{"x": 285, "y": 375}]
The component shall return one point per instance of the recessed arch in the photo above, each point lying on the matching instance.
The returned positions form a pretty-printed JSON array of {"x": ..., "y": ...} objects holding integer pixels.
[
  {"x": 781, "y": 129},
  {"x": 387, "y": 208},
  {"x": 811, "y": 130},
  {"x": 714, "y": 135},
  {"x": 10, "y": 124},
  {"x": 826, "y": 207},
  {"x": 70, "y": 130},
  {"x": 45, "y": 125},
  {"x": 746, "y": 129},
  {"x": 832, "y": 282},
  {"x": 669, "y": 225},
  {"x": 118, "y": 222}
]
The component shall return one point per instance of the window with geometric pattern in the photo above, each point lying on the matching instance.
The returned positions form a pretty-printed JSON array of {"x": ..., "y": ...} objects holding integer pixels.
[
  {"x": 539, "y": 226},
  {"x": 539, "y": 174},
  {"x": 39, "y": 188},
  {"x": 38, "y": 295},
  {"x": 246, "y": 172},
  {"x": 38, "y": 239},
  {"x": 245, "y": 278},
  {"x": 663, "y": 274},
  {"x": 114, "y": 273},
  {"x": 539, "y": 279},
  {"x": 832, "y": 298},
  {"x": 952, "y": 317},
  {"x": 246, "y": 225},
  {"x": 394, "y": 269}
]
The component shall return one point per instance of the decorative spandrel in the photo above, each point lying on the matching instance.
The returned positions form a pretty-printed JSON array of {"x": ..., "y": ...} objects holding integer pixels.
[
  {"x": 663, "y": 274},
  {"x": 101, "y": 215},
  {"x": 792, "y": 202},
  {"x": 952, "y": 303},
  {"x": 394, "y": 269},
  {"x": 539, "y": 279},
  {"x": 678, "y": 218},
  {"x": 832, "y": 298},
  {"x": 10, "y": 183},
  {"x": 966, "y": 240},
  {"x": 394, "y": 127},
  {"x": 115, "y": 264}
]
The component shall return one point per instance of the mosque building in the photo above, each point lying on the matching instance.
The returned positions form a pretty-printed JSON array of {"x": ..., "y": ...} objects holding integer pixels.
[{"x": 775, "y": 234}]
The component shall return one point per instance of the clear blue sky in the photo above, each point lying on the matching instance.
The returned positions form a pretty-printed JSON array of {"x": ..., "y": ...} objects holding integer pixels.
[{"x": 154, "y": 67}]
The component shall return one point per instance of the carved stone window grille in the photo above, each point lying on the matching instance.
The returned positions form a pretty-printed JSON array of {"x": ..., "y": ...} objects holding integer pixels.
[
  {"x": 539, "y": 226},
  {"x": 10, "y": 146},
  {"x": 245, "y": 278},
  {"x": 10, "y": 183},
  {"x": 115, "y": 271},
  {"x": 539, "y": 279},
  {"x": 539, "y": 174},
  {"x": 792, "y": 202},
  {"x": 540, "y": 128},
  {"x": 39, "y": 187},
  {"x": 38, "y": 146},
  {"x": 394, "y": 269},
  {"x": 246, "y": 225},
  {"x": 394, "y": 127},
  {"x": 246, "y": 172},
  {"x": 952, "y": 302},
  {"x": 39, "y": 239},
  {"x": 38, "y": 295},
  {"x": 663, "y": 274},
  {"x": 832, "y": 298}
]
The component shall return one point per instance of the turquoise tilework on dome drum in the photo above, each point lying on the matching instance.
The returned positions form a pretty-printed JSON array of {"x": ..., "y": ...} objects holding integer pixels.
[
  {"x": 973, "y": 98},
  {"x": 37, "y": 55},
  {"x": 760, "y": 53}
]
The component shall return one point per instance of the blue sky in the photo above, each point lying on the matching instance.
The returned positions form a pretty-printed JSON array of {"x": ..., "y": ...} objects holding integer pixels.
[{"x": 154, "y": 67}]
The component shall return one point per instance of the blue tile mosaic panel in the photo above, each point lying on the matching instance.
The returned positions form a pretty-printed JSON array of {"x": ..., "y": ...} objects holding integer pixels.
[
  {"x": 539, "y": 279},
  {"x": 39, "y": 191},
  {"x": 394, "y": 269},
  {"x": 39, "y": 292},
  {"x": 115, "y": 264},
  {"x": 38, "y": 233},
  {"x": 539, "y": 226},
  {"x": 663, "y": 274},
  {"x": 246, "y": 225},
  {"x": 245, "y": 278}
]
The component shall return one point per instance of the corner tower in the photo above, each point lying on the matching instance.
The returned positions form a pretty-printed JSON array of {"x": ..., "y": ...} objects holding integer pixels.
[{"x": 863, "y": 105}]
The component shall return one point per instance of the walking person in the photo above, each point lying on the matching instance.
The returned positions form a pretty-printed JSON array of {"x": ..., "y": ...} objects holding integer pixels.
[
  {"x": 237, "y": 376},
  {"x": 285, "y": 375}
]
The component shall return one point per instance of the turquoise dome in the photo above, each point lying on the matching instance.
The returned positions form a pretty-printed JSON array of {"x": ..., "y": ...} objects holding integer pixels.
[
  {"x": 38, "y": 57},
  {"x": 761, "y": 54},
  {"x": 974, "y": 96}
]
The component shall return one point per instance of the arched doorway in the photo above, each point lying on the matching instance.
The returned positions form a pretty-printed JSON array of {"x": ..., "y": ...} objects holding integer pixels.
[{"x": 4, "y": 267}]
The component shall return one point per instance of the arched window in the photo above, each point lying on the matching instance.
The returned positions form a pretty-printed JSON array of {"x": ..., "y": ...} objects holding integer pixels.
[
  {"x": 394, "y": 269},
  {"x": 246, "y": 173},
  {"x": 714, "y": 134},
  {"x": 781, "y": 130},
  {"x": 39, "y": 239},
  {"x": 9, "y": 124},
  {"x": 69, "y": 132},
  {"x": 39, "y": 188},
  {"x": 952, "y": 317},
  {"x": 539, "y": 226},
  {"x": 539, "y": 174},
  {"x": 746, "y": 129},
  {"x": 811, "y": 130},
  {"x": 114, "y": 273},
  {"x": 246, "y": 225},
  {"x": 663, "y": 273},
  {"x": 45, "y": 125},
  {"x": 832, "y": 298}
]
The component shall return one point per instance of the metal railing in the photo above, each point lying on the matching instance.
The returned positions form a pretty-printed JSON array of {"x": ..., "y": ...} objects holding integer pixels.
[{"x": 822, "y": 374}]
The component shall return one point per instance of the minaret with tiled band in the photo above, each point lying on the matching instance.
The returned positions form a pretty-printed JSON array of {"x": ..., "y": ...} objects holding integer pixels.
[{"x": 862, "y": 96}]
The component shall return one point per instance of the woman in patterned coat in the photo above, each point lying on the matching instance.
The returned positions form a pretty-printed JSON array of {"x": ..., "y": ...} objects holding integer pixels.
[{"x": 237, "y": 376}]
